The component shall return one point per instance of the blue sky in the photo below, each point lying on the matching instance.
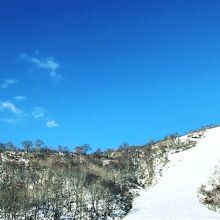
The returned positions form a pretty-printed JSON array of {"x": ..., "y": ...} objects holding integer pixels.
[{"x": 104, "y": 72}]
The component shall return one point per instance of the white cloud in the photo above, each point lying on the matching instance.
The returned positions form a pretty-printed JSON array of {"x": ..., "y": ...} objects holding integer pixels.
[
  {"x": 11, "y": 114},
  {"x": 47, "y": 64},
  {"x": 10, "y": 107},
  {"x": 20, "y": 98},
  {"x": 7, "y": 83},
  {"x": 10, "y": 120},
  {"x": 51, "y": 124},
  {"x": 38, "y": 112}
]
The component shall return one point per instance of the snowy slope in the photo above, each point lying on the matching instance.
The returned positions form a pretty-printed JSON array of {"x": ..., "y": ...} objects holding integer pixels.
[{"x": 175, "y": 196}]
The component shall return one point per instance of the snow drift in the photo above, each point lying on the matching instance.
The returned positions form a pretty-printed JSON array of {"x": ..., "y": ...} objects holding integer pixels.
[{"x": 175, "y": 196}]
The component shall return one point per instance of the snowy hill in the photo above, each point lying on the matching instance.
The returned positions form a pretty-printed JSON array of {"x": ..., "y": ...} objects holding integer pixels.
[{"x": 175, "y": 196}]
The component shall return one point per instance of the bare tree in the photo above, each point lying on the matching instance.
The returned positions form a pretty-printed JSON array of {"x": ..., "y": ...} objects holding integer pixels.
[
  {"x": 27, "y": 145},
  {"x": 38, "y": 145}
]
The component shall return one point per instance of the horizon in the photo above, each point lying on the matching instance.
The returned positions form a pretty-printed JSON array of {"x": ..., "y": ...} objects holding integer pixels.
[
  {"x": 104, "y": 73},
  {"x": 60, "y": 148}
]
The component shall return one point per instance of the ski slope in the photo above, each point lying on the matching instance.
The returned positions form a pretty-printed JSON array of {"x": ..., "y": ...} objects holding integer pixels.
[{"x": 175, "y": 196}]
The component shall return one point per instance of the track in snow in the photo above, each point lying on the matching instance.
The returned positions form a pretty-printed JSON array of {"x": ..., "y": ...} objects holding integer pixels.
[{"x": 175, "y": 196}]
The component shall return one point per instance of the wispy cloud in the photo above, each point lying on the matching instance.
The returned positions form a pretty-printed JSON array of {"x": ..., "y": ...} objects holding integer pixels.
[
  {"x": 10, "y": 120},
  {"x": 9, "y": 106},
  {"x": 19, "y": 98},
  {"x": 7, "y": 83},
  {"x": 51, "y": 124},
  {"x": 48, "y": 64},
  {"x": 38, "y": 112},
  {"x": 13, "y": 113}
]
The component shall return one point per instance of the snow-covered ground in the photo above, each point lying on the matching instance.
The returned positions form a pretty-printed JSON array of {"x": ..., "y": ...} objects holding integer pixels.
[{"x": 175, "y": 196}]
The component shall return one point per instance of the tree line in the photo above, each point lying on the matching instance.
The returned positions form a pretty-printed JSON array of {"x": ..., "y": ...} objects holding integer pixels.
[{"x": 37, "y": 182}]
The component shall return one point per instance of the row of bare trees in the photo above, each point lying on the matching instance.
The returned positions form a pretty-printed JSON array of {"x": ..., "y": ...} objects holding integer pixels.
[
  {"x": 40, "y": 183},
  {"x": 59, "y": 185}
]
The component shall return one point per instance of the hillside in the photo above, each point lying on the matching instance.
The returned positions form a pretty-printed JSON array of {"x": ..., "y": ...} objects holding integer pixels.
[
  {"x": 40, "y": 183},
  {"x": 175, "y": 196}
]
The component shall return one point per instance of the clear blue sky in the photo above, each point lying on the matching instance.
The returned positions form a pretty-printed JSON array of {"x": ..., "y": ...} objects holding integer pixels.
[{"x": 103, "y": 72}]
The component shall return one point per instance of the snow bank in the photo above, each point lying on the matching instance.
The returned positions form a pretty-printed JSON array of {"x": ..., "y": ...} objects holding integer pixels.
[{"x": 175, "y": 196}]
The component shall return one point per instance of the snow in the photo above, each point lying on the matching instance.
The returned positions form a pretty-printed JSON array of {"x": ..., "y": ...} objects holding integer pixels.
[{"x": 175, "y": 196}]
